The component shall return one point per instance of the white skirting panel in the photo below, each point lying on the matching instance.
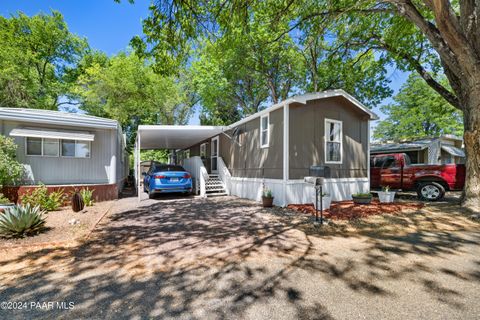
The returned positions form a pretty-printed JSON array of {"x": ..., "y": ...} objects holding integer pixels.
[
  {"x": 297, "y": 191},
  {"x": 340, "y": 189},
  {"x": 251, "y": 188}
]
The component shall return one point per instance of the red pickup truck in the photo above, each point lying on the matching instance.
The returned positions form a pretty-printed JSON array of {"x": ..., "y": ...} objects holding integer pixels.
[{"x": 429, "y": 180}]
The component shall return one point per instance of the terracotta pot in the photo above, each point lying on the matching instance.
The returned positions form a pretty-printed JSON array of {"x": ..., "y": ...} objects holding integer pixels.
[
  {"x": 267, "y": 202},
  {"x": 362, "y": 200}
]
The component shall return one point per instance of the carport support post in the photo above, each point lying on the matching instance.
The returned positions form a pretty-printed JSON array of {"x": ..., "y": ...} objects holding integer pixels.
[{"x": 137, "y": 156}]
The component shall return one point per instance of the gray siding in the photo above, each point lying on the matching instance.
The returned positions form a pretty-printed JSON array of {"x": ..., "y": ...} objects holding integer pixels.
[
  {"x": 248, "y": 159},
  {"x": 59, "y": 170},
  {"x": 307, "y": 138}
]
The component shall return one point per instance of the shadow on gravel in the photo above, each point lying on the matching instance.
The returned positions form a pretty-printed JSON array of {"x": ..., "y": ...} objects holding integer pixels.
[{"x": 195, "y": 258}]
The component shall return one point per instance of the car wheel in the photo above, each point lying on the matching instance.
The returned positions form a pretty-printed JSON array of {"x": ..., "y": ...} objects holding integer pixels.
[
  {"x": 151, "y": 195},
  {"x": 430, "y": 191}
]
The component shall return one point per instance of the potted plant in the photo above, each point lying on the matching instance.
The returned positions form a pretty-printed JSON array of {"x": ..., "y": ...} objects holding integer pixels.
[
  {"x": 326, "y": 200},
  {"x": 386, "y": 196},
  {"x": 267, "y": 198},
  {"x": 362, "y": 198}
]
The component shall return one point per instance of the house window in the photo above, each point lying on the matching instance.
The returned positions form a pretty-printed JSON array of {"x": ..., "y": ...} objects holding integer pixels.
[
  {"x": 187, "y": 154},
  {"x": 34, "y": 146},
  {"x": 50, "y": 147},
  {"x": 75, "y": 149},
  {"x": 203, "y": 150},
  {"x": 42, "y": 147},
  {"x": 333, "y": 141},
  {"x": 264, "y": 132}
]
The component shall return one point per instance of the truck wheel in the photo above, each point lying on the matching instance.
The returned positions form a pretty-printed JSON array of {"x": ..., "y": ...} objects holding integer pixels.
[{"x": 430, "y": 191}]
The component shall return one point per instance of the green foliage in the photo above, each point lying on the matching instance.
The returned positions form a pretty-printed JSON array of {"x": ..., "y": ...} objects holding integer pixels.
[
  {"x": 418, "y": 112},
  {"x": 4, "y": 200},
  {"x": 126, "y": 88},
  {"x": 267, "y": 193},
  {"x": 362, "y": 195},
  {"x": 10, "y": 169},
  {"x": 87, "y": 196},
  {"x": 20, "y": 221},
  {"x": 155, "y": 155},
  {"x": 42, "y": 198},
  {"x": 36, "y": 56}
]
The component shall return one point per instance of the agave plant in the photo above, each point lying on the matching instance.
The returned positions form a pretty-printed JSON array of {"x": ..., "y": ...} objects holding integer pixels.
[{"x": 21, "y": 220}]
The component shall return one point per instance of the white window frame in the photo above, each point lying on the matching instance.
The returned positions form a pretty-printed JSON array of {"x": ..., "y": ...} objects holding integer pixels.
[
  {"x": 41, "y": 148},
  {"x": 203, "y": 153},
  {"x": 267, "y": 130},
  {"x": 327, "y": 134},
  {"x": 75, "y": 157},
  {"x": 187, "y": 153}
]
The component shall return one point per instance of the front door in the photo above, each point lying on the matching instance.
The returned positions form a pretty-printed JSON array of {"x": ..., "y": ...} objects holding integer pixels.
[{"x": 214, "y": 155}]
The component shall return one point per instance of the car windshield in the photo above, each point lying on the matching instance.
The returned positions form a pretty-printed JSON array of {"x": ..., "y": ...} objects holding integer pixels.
[{"x": 167, "y": 167}]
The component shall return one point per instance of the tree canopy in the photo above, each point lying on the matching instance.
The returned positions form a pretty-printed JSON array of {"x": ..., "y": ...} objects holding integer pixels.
[
  {"x": 417, "y": 112},
  {"x": 242, "y": 57},
  {"x": 127, "y": 89},
  {"x": 37, "y": 55}
]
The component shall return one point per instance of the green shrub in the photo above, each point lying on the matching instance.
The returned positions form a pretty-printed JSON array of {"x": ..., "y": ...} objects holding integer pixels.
[
  {"x": 4, "y": 200},
  {"x": 87, "y": 196},
  {"x": 47, "y": 201},
  {"x": 10, "y": 169},
  {"x": 19, "y": 221}
]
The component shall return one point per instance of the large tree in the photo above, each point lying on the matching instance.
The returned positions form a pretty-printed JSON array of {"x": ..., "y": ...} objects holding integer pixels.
[
  {"x": 418, "y": 112},
  {"x": 431, "y": 37},
  {"x": 36, "y": 56},
  {"x": 126, "y": 88}
]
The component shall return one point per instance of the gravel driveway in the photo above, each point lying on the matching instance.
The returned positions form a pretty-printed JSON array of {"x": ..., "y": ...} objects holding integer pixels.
[{"x": 226, "y": 258}]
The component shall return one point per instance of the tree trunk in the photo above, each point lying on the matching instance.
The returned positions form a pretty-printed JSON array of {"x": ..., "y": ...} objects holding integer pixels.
[{"x": 471, "y": 116}]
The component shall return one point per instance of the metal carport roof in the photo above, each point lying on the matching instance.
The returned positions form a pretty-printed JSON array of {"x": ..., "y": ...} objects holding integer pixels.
[{"x": 174, "y": 136}]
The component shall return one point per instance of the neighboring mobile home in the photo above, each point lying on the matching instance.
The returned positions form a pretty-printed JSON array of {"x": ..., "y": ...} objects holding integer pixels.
[
  {"x": 438, "y": 150},
  {"x": 67, "y": 149},
  {"x": 277, "y": 146}
]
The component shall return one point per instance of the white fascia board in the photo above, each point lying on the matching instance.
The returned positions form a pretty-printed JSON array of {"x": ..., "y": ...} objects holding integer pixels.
[{"x": 56, "y": 118}]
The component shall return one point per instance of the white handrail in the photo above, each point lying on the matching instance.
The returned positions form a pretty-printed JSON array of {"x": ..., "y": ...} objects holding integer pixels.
[
  {"x": 224, "y": 174},
  {"x": 195, "y": 166}
]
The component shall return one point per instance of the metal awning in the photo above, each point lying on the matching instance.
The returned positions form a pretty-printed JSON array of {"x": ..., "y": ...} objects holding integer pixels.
[
  {"x": 174, "y": 137},
  {"x": 51, "y": 134},
  {"x": 454, "y": 151}
]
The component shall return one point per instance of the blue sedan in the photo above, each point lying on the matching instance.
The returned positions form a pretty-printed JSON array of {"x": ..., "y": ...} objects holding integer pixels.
[{"x": 166, "y": 178}]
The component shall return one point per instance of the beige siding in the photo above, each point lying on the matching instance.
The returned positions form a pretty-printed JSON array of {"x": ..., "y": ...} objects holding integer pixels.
[
  {"x": 59, "y": 170},
  {"x": 307, "y": 138}
]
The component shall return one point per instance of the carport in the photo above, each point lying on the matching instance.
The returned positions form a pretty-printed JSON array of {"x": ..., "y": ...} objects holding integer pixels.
[{"x": 172, "y": 137}]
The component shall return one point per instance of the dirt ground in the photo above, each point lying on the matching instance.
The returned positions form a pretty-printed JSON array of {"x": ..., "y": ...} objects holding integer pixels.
[
  {"x": 228, "y": 258},
  {"x": 59, "y": 230}
]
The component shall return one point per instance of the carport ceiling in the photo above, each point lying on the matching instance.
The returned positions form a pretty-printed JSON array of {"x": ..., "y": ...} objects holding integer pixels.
[{"x": 174, "y": 137}]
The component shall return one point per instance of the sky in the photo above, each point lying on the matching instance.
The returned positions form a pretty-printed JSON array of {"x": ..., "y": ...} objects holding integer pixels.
[{"x": 109, "y": 26}]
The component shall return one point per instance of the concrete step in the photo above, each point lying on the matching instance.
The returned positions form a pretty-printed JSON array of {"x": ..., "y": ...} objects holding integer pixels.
[
  {"x": 215, "y": 189},
  {"x": 217, "y": 194}
]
